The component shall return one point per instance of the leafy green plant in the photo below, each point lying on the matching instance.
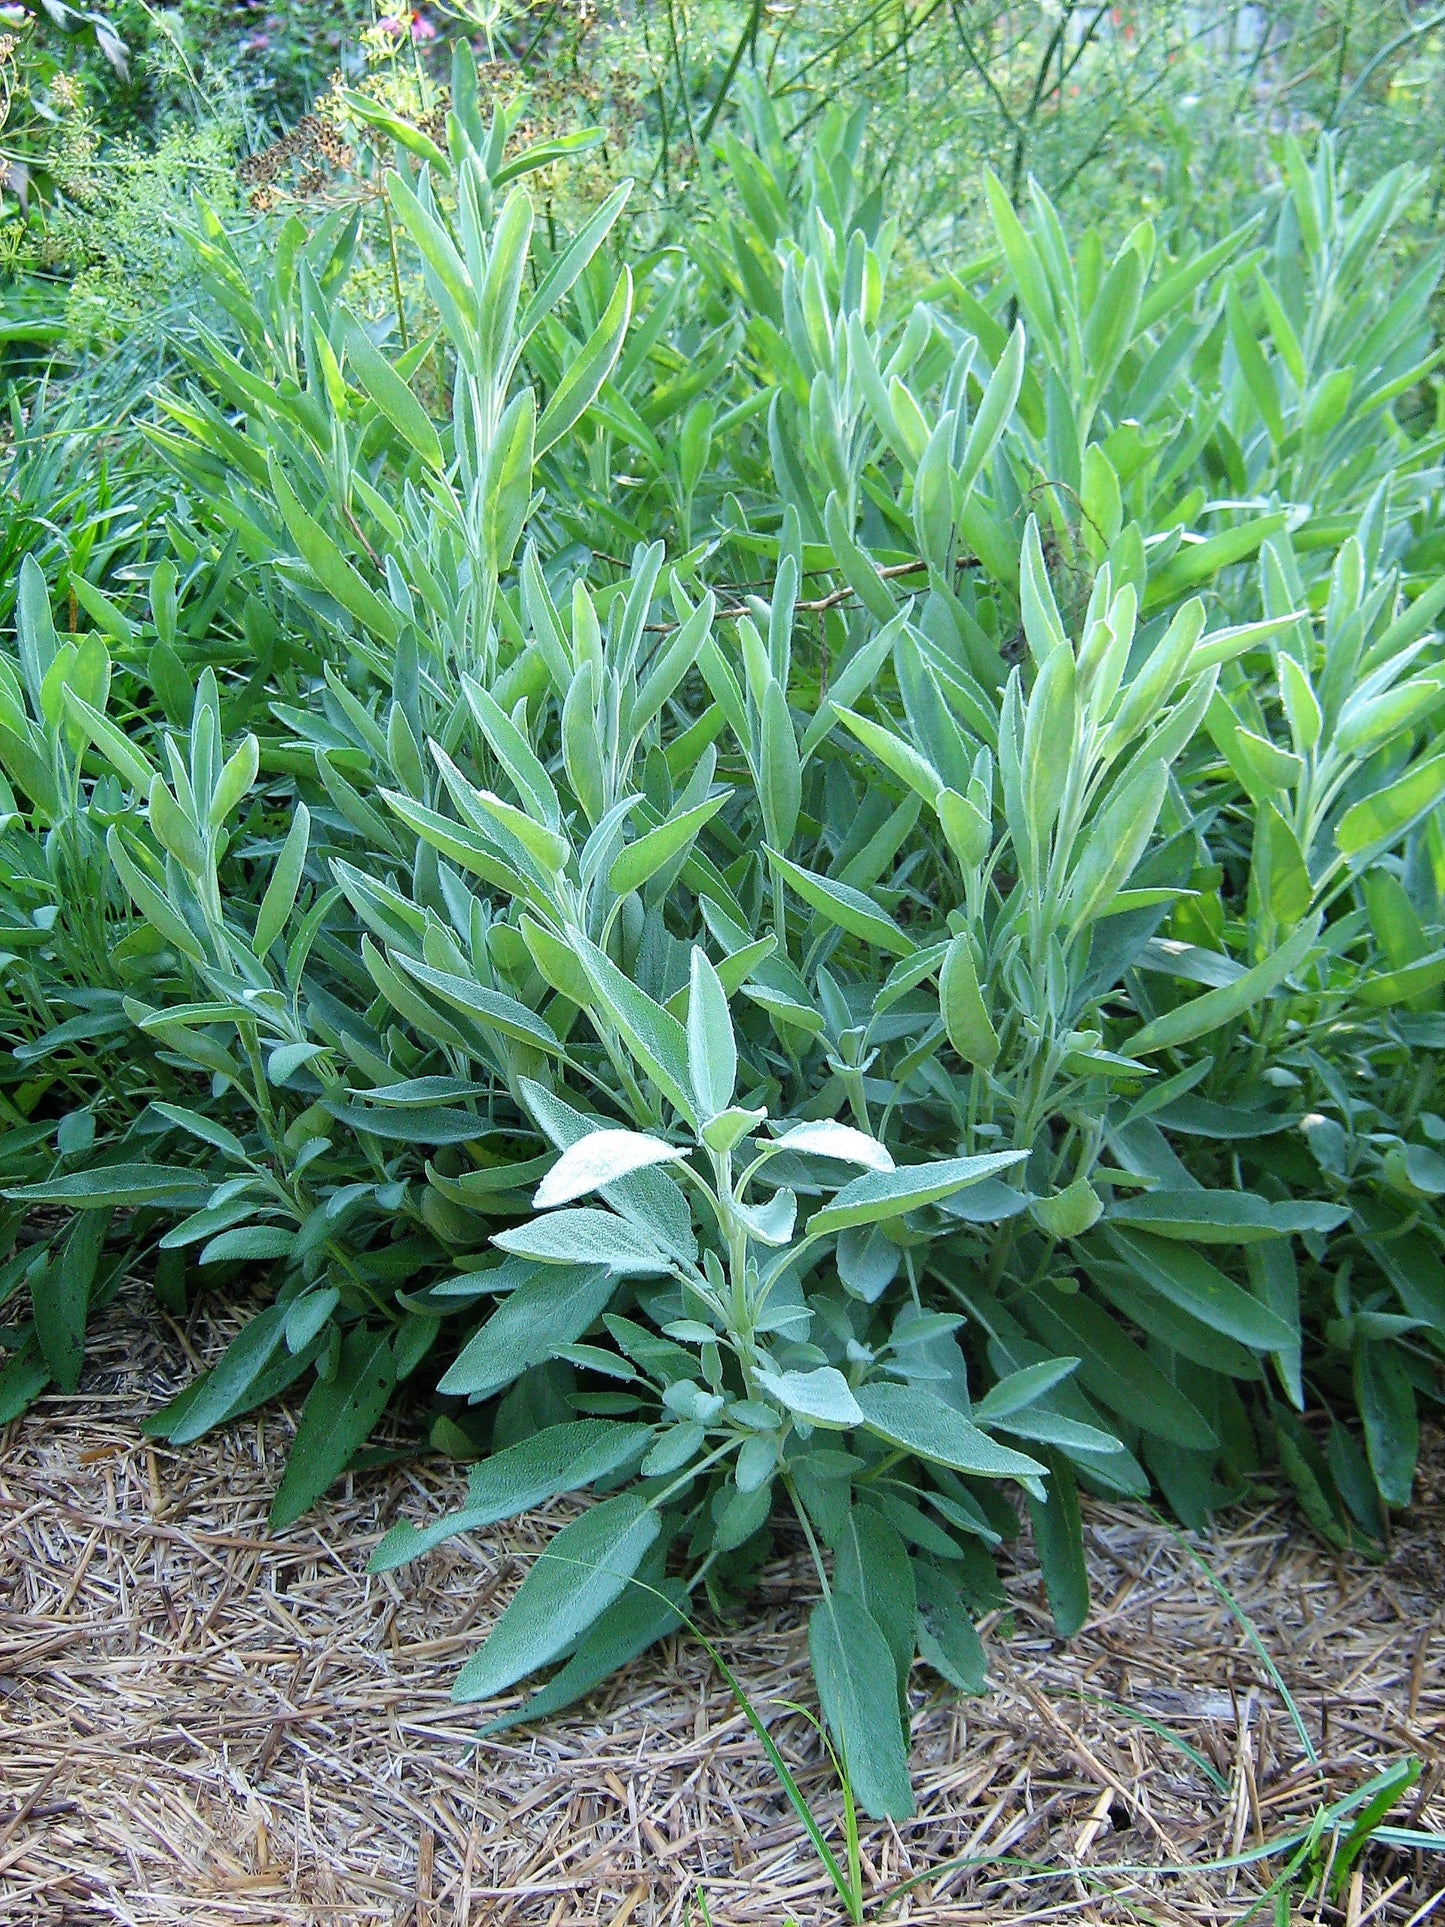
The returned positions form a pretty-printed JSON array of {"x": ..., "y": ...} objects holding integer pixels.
[{"x": 912, "y": 982}]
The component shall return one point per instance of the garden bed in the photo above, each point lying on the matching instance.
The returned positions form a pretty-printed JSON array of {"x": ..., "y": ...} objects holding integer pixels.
[{"x": 206, "y": 1723}]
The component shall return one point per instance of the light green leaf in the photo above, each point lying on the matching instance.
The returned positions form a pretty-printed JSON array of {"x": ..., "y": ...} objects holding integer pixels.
[
  {"x": 513, "y": 751},
  {"x": 923, "y": 1424},
  {"x": 839, "y": 903},
  {"x": 36, "y": 641},
  {"x": 638, "y": 861},
  {"x": 306, "y": 1315},
  {"x": 1117, "y": 840},
  {"x": 995, "y": 408},
  {"x": 285, "y": 880},
  {"x": 894, "y": 754},
  {"x": 822, "y": 1397},
  {"x": 712, "y": 1052},
  {"x": 586, "y": 372},
  {"x": 333, "y": 572},
  {"x": 391, "y": 395},
  {"x": 154, "y": 907},
  {"x": 491, "y": 1009},
  {"x": 585, "y": 1567},
  {"x": 654, "y": 1035},
  {"x": 1198, "y": 1216},
  {"x": 1218, "y": 1007},
  {"x": 1202, "y": 561},
  {"x": 210, "y": 1130},
  {"x": 1377, "y": 821},
  {"x": 780, "y": 771},
  {"x": 826, "y": 1138},
  {"x": 124, "y": 756},
  {"x": 552, "y": 1309},
  {"x": 586, "y": 1237},
  {"x": 724, "y": 1132},
  {"x": 1051, "y": 727},
  {"x": 1023, "y": 1387},
  {"x": 1068, "y": 1213},
  {"x": 250, "y": 1242},
  {"x": 960, "y": 1002},
  {"x": 889, "y": 1194},
  {"x": 596, "y": 1160},
  {"x": 108, "y": 1187},
  {"x": 624, "y": 1631},
  {"x": 562, "y": 1458},
  {"x": 1043, "y": 625},
  {"x": 570, "y": 263}
]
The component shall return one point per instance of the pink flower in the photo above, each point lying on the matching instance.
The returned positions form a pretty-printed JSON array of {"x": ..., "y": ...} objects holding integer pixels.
[
  {"x": 422, "y": 29},
  {"x": 391, "y": 24}
]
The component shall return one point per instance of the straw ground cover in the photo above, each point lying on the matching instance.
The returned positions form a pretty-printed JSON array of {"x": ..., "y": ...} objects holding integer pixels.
[{"x": 209, "y": 1723}]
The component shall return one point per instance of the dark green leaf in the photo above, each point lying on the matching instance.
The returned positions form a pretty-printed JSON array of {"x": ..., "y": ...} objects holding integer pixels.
[
  {"x": 336, "y": 1420},
  {"x": 856, "y": 1676},
  {"x": 1059, "y": 1542},
  {"x": 870, "y": 1564},
  {"x": 1187, "y": 1279},
  {"x": 947, "y": 1636}
]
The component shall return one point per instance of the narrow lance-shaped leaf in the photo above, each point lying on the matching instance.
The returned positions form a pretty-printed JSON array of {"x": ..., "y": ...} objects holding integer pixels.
[
  {"x": 533, "y": 1323},
  {"x": 639, "y": 861},
  {"x": 285, "y": 880},
  {"x": 890, "y": 1194},
  {"x": 654, "y": 1034},
  {"x": 1059, "y": 1540},
  {"x": 585, "y": 1236},
  {"x": 920, "y": 1422},
  {"x": 562, "y": 1458},
  {"x": 582, "y": 383},
  {"x": 333, "y": 572},
  {"x": 596, "y": 1160},
  {"x": 336, "y": 1420},
  {"x": 850, "y": 909},
  {"x": 712, "y": 1052},
  {"x": 391, "y": 395},
  {"x": 994, "y": 410},
  {"x": 584, "y": 1568},
  {"x": 854, "y": 1671},
  {"x": 1222, "y": 1006},
  {"x": 965, "y": 1015}
]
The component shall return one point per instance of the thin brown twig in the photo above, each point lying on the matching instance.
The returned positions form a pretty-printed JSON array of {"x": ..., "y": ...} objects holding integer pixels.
[{"x": 891, "y": 572}]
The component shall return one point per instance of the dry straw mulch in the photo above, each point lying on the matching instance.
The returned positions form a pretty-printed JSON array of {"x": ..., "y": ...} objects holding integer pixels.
[{"x": 203, "y": 1723}]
